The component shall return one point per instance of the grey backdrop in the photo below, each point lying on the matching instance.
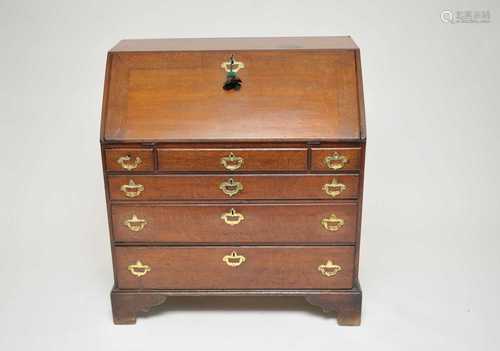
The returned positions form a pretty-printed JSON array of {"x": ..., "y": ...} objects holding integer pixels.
[{"x": 430, "y": 245}]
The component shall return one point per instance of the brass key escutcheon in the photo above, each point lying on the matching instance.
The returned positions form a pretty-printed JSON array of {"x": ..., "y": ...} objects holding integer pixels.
[{"x": 232, "y": 66}]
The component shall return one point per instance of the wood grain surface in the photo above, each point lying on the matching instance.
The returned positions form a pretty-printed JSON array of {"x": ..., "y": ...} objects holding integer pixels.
[
  {"x": 199, "y": 160},
  {"x": 265, "y": 267},
  {"x": 178, "y": 96},
  {"x": 262, "y": 223},
  {"x": 258, "y": 187}
]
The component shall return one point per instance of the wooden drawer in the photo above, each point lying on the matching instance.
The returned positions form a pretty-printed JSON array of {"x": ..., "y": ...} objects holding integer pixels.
[
  {"x": 217, "y": 268},
  {"x": 129, "y": 159},
  {"x": 336, "y": 159},
  {"x": 232, "y": 160},
  {"x": 238, "y": 223},
  {"x": 213, "y": 187}
]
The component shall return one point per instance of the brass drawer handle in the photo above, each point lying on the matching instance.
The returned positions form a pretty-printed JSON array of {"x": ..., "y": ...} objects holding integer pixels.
[
  {"x": 231, "y": 187},
  {"x": 329, "y": 269},
  {"x": 336, "y": 161},
  {"x": 131, "y": 189},
  {"x": 232, "y": 217},
  {"x": 231, "y": 162},
  {"x": 234, "y": 260},
  {"x": 334, "y": 188},
  {"x": 332, "y": 223},
  {"x": 135, "y": 224},
  {"x": 127, "y": 163},
  {"x": 139, "y": 269}
]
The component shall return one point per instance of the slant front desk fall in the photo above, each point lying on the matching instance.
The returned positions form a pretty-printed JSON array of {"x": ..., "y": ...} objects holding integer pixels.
[{"x": 234, "y": 167}]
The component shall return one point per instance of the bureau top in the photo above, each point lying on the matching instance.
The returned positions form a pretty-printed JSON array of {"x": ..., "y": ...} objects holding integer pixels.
[
  {"x": 293, "y": 89},
  {"x": 207, "y": 44}
]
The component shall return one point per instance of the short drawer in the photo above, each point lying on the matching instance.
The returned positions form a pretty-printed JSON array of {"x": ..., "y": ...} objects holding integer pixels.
[
  {"x": 129, "y": 160},
  {"x": 229, "y": 267},
  {"x": 238, "y": 223},
  {"x": 232, "y": 160},
  {"x": 248, "y": 187},
  {"x": 335, "y": 159}
]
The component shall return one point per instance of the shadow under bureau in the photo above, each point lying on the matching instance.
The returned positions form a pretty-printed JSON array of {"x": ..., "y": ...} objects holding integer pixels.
[{"x": 234, "y": 167}]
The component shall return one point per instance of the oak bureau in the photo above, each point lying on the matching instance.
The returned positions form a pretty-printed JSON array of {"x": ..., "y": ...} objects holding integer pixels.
[{"x": 234, "y": 167}]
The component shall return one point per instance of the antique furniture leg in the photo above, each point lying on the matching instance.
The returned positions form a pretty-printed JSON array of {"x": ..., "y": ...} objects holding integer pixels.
[
  {"x": 126, "y": 305},
  {"x": 347, "y": 306}
]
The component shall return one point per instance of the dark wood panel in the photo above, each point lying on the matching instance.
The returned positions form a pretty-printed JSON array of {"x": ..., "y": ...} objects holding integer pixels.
[
  {"x": 335, "y": 159},
  {"x": 255, "y": 223},
  {"x": 196, "y": 160},
  {"x": 178, "y": 96},
  {"x": 345, "y": 303},
  {"x": 263, "y": 267},
  {"x": 207, "y": 187},
  {"x": 129, "y": 159}
]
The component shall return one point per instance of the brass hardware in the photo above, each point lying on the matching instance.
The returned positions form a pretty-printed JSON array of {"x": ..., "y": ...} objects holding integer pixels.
[
  {"x": 232, "y": 162},
  {"x": 127, "y": 163},
  {"x": 234, "y": 260},
  {"x": 232, "y": 217},
  {"x": 231, "y": 187},
  {"x": 233, "y": 82},
  {"x": 334, "y": 188},
  {"x": 332, "y": 223},
  {"x": 336, "y": 161},
  {"x": 138, "y": 269},
  {"x": 131, "y": 189},
  {"x": 135, "y": 224},
  {"x": 236, "y": 66},
  {"x": 329, "y": 269}
]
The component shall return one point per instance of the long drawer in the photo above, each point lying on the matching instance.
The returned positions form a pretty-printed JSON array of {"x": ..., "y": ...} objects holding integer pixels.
[
  {"x": 238, "y": 223},
  {"x": 248, "y": 187},
  {"x": 233, "y": 160},
  {"x": 234, "y": 267}
]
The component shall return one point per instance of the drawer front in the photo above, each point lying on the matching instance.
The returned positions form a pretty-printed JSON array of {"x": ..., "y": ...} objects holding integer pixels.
[
  {"x": 213, "y": 187},
  {"x": 260, "y": 224},
  {"x": 129, "y": 160},
  {"x": 335, "y": 159},
  {"x": 232, "y": 160},
  {"x": 234, "y": 267}
]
